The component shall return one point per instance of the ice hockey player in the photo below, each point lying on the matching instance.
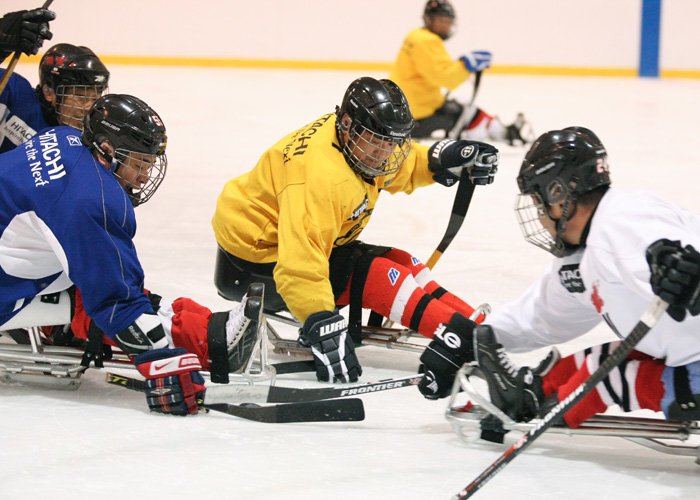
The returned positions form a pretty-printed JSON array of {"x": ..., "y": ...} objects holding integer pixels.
[
  {"x": 24, "y": 31},
  {"x": 614, "y": 251},
  {"x": 423, "y": 68},
  {"x": 68, "y": 218},
  {"x": 71, "y": 78},
  {"x": 293, "y": 222}
]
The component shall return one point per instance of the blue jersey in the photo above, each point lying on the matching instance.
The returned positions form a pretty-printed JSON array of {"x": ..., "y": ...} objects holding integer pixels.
[
  {"x": 20, "y": 113},
  {"x": 65, "y": 219}
]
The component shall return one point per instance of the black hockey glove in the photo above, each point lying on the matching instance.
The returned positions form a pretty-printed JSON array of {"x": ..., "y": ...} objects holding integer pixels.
[
  {"x": 675, "y": 276},
  {"x": 173, "y": 382},
  {"x": 333, "y": 349},
  {"x": 25, "y": 31},
  {"x": 448, "y": 351},
  {"x": 447, "y": 158}
]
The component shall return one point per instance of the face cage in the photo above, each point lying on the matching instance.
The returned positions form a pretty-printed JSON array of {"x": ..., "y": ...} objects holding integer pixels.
[
  {"x": 131, "y": 164},
  {"x": 375, "y": 155},
  {"x": 74, "y": 101},
  {"x": 530, "y": 211}
]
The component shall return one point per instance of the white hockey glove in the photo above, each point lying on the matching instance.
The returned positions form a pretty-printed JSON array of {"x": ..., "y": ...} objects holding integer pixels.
[
  {"x": 333, "y": 349},
  {"x": 447, "y": 158},
  {"x": 478, "y": 60}
]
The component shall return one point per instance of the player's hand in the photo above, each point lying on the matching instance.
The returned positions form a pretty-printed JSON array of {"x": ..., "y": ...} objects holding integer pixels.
[
  {"x": 173, "y": 382},
  {"x": 441, "y": 359},
  {"x": 25, "y": 30},
  {"x": 447, "y": 158},
  {"x": 675, "y": 276},
  {"x": 478, "y": 60},
  {"x": 332, "y": 347}
]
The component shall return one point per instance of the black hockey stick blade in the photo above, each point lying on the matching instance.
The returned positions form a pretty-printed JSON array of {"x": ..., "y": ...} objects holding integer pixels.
[
  {"x": 275, "y": 394},
  {"x": 650, "y": 317},
  {"x": 336, "y": 410},
  {"x": 340, "y": 410},
  {"x": 286, "y": 367}
]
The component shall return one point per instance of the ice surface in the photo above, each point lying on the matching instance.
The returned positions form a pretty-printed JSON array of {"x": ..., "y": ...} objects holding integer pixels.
[{"x": 101, "y": 441}]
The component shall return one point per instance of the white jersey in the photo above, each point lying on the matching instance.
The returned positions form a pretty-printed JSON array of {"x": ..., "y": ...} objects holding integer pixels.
[{"x": 607, "y": 280}]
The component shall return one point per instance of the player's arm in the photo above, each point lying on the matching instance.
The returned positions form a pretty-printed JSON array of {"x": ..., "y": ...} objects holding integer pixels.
[
  {"x": 435, "y": 65},
  {"x": 306, "y": 240}
]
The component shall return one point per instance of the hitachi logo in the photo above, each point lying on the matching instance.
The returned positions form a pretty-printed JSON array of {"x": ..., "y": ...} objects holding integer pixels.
[{"x": 333, "y": 327}]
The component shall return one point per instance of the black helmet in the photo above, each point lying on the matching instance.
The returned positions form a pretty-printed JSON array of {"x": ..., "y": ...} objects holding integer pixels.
[
  {"x": 137, "y": 134},
  {"x": 66, "y": 64},
  {"x": 560, "y": 166},
  {"x": 379, "y": 108},
  {"x": 439, "y": 8},
  {"x": 73, "y": 71}
]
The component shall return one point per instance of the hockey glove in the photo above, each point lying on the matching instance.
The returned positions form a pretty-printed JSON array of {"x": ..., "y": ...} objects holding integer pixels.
[
  {"x": 478, "y": 60},
  {"x": 173, "y": 382},
  {"x": 25, "y": 30},
  {"x": 333, "y": 349},
  {"x": 448, "y": 351},
  {"x": 675, "y": 276},
  {"x": 447, "y": 158}
]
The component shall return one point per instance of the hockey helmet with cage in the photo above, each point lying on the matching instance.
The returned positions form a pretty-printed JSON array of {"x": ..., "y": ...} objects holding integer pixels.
[
  {"x": 378, "y": 123},
  {"x": 70, "y": 71},
  {"x": 137, "y": 135},
  {"x": 560, "y": 167}
]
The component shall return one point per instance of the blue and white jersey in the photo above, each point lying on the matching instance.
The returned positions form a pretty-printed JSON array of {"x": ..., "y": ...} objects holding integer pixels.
[
  {"x": 20, "y": 113},
  {"x": 65, "y": 219}
]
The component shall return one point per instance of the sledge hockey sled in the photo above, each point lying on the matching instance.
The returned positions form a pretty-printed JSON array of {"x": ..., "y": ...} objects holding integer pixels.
[
  {"x": 29, "y": 356},
  {"x": 479, "y": 418}
]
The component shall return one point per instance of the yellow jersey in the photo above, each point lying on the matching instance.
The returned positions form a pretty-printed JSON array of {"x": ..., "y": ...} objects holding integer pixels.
[
  {"x": 299, "y": 202},
  {"x": 422, "y": 69}
]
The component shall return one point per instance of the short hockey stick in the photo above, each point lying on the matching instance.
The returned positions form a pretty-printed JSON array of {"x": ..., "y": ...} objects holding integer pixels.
[
  {"x": 465, "y": 190},
  {"x": 15, "y": 59},
  {"x": 275, "y": 394},
  {"x": 650, "y": 317},
  {"x": 340, "y": 410},
  {"x": 466, "y": 113}
]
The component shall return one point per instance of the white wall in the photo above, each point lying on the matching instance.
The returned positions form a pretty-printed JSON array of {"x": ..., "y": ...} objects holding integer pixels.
[{"x": 552, "y": 33}]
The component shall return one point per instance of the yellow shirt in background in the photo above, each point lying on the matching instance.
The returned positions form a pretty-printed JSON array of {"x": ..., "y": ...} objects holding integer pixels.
[{"x": 422, "y": 69}]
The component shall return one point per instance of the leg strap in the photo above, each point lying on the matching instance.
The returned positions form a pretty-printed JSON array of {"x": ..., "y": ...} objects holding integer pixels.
[{"x": 218, "y": 353}]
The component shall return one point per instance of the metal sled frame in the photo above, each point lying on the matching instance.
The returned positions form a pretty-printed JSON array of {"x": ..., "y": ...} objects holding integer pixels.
[
  {"x": 649, "y": 432},
  {"x": 402, "y": 338},
  {"x": 41, "y": 364}
]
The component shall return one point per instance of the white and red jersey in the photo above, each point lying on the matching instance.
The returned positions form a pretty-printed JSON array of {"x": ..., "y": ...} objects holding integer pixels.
[{"x": 606, "y": 280}]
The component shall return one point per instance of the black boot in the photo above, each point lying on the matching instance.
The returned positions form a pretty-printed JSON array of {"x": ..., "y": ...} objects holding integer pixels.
[{"x": 515, "y": 391}]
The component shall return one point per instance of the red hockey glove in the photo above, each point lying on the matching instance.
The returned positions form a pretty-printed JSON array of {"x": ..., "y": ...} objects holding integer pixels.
[{"x": 173, "y": 382}]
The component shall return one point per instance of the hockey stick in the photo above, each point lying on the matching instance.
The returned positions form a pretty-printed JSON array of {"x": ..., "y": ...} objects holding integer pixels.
[
  {"x": 650, "y": 317},
  {"x": 275, "y": 394},
  {"x": 341, "y": 410},
  {"x": 15, "y": 59},
  {"x": 465, "y": 190},
  {"x": 462, "y": 120}
]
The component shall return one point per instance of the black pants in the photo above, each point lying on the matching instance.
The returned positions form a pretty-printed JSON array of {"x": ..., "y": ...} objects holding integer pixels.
[
  {"x": 232, "y": 274},
  {"x": 444, "y": 118}
]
